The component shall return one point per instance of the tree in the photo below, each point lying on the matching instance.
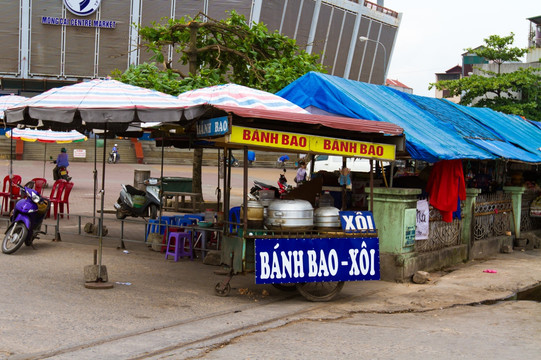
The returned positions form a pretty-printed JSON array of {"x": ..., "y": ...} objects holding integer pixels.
[
  {"x": 218, "y": 52},
  {"x": 517, "y": 92}
]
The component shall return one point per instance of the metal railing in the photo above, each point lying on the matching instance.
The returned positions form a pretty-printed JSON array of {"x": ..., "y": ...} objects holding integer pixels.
[
  {"x": 121, "y": 230},
  {"x": 441, "y": 234},
  {"x": 492, "y": 215}
]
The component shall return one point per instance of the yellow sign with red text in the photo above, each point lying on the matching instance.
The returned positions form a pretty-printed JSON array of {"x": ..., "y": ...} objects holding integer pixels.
[{"x": 309, "y": 143}]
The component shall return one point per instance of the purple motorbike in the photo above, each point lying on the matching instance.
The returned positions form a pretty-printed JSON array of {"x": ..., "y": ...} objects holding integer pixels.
[{"x": 25, "y": 222}]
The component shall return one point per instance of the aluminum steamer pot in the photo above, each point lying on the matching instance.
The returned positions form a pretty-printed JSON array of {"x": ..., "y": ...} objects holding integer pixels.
[
  {"x": 327, "y": 217},
  {"x": 296, "y": 215},
  {"x": 255, "y": 214}
]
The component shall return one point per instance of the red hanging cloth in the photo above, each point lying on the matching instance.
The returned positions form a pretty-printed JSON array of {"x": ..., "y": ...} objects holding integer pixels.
[{"x": 446, "y": 186}]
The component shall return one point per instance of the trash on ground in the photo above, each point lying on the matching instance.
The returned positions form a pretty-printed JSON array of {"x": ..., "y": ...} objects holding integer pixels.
[
  {"x": 490, "y": 271},
  {"x": 123, "y": 283}
]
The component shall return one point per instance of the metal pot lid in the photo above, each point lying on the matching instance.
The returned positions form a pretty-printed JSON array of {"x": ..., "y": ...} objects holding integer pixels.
[
  {"x": 326, "y": 211},
  {"x": 290, "y": 205},
  {"x": 254, "y": 204}
]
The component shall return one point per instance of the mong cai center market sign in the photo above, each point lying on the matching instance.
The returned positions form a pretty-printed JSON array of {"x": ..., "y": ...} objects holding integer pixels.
[{"x": 309, "y": 143}]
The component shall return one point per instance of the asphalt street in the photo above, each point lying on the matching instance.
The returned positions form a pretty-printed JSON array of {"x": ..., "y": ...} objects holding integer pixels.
[{"x": 161, "y": 309}]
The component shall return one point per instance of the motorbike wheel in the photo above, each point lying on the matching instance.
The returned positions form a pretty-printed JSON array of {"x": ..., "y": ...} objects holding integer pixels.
[
  {"x": 320, "y": 291},
  {"x": 119, "y": 213},
  {"x": 153, "y": 211},
  {"x": 14, "y": 238}
]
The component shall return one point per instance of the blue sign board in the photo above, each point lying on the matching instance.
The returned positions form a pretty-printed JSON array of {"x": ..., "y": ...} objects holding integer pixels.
[
  {"x": 353, "y": 221},
  {"x": 213, "y": 127},
  {"x": 287, "y": 260}
]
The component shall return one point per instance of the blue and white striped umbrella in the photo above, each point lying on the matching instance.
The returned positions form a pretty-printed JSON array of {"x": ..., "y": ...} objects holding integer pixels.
[
  {"x": 98, "y": 101},
  {"x": 8, "y": 101},
  {"x": 234, "y": 95}
]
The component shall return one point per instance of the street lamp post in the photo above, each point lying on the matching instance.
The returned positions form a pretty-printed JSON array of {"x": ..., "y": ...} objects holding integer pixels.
[{"x": 364, "y": 39}]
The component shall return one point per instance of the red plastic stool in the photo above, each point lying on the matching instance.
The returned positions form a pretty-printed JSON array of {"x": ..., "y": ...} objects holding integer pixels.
[{"x": 177, "y": 240}]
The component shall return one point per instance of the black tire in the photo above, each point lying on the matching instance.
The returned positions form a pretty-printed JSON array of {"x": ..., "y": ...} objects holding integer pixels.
[
  {"x": 153, "y": 211},
  {"x": 286, "y": 287},
  {"x": 14, "y": 238},
  {"x": 320, "y": 291},
  {"x": 120, "y": 215},
  {"x": 222, "y": 291}
]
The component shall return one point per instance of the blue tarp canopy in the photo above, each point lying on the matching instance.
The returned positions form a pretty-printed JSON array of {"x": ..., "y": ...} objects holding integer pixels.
[
  {"x": 435, "y": 129},
  {"x": 477, "y": 128}
]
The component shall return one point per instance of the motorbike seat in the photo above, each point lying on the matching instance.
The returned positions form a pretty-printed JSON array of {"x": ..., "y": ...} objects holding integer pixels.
[
  {"x": 263, "y": 185},
  {"x": 134, "y": 191}
]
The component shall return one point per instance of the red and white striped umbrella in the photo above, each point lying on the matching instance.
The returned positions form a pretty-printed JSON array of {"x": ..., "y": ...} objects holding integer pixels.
[
  {"x": 98, "y": 101},
  {"x": 46, "y": 136},
  {"x": 234, "y": 95},
  {"x": 8, "y": 101}
]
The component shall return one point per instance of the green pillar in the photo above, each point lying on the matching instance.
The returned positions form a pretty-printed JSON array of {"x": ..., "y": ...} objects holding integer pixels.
[
  {"x": 395, "y": 212},
  {"x": 468, "y": 217},
  {"x": 516, "y": 196}
]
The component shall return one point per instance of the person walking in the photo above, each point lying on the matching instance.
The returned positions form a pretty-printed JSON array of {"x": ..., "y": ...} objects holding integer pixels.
[
  {"x": 251, "y": 157},
  {"x": 282, "y": 160}
]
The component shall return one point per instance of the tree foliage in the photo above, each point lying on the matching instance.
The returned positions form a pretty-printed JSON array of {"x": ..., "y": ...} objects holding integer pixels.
[
  {"x": 218, "y": 52},
  {"x": 517, "y": 92}
]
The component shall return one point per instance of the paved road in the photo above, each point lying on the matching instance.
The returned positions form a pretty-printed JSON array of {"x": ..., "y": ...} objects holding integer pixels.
[
  {"x": 507, "y": 330},
  {"x": 165, "y": 310},
  {"x": 162, "y": 309}
]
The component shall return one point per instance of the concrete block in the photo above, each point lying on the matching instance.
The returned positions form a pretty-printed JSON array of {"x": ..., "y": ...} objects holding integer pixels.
[
  {"x": 214, "y": 257},
  {"x": 91, "y": 273},
  {"x": 156, "y": 241},
  {"x": 421, "y": 277},
  {"x": 506, "y": 249}
]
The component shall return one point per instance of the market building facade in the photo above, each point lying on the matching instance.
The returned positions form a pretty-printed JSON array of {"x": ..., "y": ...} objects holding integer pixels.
[{"x": 49, "y": 43}]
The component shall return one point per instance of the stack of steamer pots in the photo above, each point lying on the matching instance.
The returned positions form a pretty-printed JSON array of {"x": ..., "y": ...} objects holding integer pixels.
[
  {"x": 326, "y": 216},
  {"x": 290, "y": 215},
  {"x": 254, "y": 214},
  {"x": 265, "y": 198}
]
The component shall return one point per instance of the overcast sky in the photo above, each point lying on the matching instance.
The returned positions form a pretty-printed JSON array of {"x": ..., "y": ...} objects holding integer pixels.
[{"x": 434, "y": 33}]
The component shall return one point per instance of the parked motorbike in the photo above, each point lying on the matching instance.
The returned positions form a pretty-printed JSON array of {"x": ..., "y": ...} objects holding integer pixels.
[
  {"x": 113, "y": 157},
  {"x": 279, "y": 191},
  {"x": 135, "y": 202},
  {"x": 25, "y": 221}
]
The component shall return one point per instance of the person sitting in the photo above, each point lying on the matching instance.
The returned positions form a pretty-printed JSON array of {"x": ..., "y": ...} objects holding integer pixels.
[
  {"x": 61, "y": 161},
  {"x": 114, "y": 154},
  {"x": 301, "y": 173}
]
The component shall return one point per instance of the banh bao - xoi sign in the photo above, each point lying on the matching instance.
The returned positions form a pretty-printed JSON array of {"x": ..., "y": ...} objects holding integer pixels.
[
  {"x": 286, "y": 260},
  {"x": 305, "y": 143}
]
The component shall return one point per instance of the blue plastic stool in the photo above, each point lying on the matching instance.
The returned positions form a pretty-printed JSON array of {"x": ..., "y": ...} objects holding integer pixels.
[
  {"x": 179, "y": 239},
  {"x": 234, "y": 217},
  {"x": 157, "y": 226}
]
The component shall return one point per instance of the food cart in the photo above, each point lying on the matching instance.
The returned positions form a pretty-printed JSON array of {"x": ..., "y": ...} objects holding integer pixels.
[{"x": 315, "y": 260}]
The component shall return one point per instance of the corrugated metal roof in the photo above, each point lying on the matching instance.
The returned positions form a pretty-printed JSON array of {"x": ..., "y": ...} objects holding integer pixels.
[{"x": 333, "y": 122}]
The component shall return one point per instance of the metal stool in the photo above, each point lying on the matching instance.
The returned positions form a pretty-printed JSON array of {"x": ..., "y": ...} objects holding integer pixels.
[{"x": 179, "y": 239}]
